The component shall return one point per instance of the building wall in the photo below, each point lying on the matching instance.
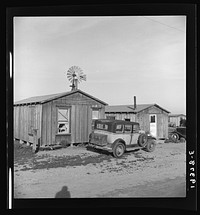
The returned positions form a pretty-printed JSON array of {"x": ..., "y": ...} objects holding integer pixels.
[
  {"x": 122, "y": 116},
  {"x": 80, "y": 119},
  {"x": 143, "y": 117},
  {"x": 27, "y": 118}
]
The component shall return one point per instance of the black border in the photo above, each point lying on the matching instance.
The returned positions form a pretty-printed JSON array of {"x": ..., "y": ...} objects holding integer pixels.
[{"x": 188, "y": 203}]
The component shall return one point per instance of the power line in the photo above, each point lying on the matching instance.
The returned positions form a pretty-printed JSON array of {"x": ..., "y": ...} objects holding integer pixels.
[{"x": 163, "y": 24}]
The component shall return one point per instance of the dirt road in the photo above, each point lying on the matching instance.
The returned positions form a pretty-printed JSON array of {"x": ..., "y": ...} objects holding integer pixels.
[{"x": 88, "y": 173}]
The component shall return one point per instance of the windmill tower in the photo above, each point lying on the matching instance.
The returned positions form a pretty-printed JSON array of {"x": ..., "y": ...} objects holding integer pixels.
[{"x": 75, "y": 76}]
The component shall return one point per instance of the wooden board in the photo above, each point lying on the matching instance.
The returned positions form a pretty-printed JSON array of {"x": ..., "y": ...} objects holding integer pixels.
[
  {"x": 53, "y": 124},
  {"x": 48, "y": 124},
  {"x": 44, "y": 126}
]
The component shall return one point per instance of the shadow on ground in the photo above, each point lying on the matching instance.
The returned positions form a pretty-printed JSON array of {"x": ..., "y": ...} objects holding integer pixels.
[{"x": 63, "y": 193}]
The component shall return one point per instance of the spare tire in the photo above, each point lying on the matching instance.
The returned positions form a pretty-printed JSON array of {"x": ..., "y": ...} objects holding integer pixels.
[{"x": 142, "y": 140}]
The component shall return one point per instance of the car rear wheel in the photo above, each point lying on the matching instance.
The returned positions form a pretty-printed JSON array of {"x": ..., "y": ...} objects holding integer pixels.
[
  {"x": 118, "y": 149},
  {"x": 142, "y": 140},
  {"x": 151, "y": 144}
]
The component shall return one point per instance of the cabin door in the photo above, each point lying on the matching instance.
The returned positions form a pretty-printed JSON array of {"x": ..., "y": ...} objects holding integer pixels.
[{"x": 153, "y": 124}]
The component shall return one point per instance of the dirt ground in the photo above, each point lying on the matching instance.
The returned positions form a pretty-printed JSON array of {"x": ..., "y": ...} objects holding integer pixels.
[{"x": 80, "y": 172}]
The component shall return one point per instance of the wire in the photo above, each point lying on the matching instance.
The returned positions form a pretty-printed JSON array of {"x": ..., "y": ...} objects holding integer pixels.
[{"x": 163, "y": 24}]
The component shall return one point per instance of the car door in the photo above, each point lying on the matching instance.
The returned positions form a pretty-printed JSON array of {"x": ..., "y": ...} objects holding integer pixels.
[
  {"x": 127, "y": 136},
  {"x": 135, "y": 134}
]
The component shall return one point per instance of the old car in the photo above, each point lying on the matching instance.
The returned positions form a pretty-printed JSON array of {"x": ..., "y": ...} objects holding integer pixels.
[
  {"x": 178, "y": 134},
  {"x": 118, "y": 136}
]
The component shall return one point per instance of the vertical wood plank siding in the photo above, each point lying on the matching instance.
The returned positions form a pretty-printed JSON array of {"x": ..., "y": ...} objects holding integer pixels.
[
  {"x": 23, "y": 121},
  {"x": 80, "y": 114},
  {"x": 44, "y": 125},
  {"x": 53, "y": 121},
  {"x": 48, "y": 123},
  {"x": 73, "y": 124},
  {"x": 162, "y": 121},
  {"x": 44, "y": 118}
]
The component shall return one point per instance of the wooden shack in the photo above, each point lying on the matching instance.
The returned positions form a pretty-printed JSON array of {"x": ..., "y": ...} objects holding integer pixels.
[
  {"x": 56, "y": 118},
  {"x": 151, "y": 117},
  {"x": 175, "y": 119}
]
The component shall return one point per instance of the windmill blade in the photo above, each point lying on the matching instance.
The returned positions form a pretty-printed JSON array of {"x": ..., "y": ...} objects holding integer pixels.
[
  {"x": 70, "y": 77},
  {"x": 83, "y": 77}
]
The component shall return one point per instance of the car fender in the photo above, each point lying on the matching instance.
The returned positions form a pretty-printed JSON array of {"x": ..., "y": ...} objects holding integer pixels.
[
  {"x": 151, "y": 137},
  {"x": 118, "y": 140},
  {"x": 180, "y": 135}
]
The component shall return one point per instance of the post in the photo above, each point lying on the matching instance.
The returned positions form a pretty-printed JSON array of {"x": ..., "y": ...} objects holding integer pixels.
[
  {"x": 35, "y": 140},
  {"x": 134, "y": 102}
]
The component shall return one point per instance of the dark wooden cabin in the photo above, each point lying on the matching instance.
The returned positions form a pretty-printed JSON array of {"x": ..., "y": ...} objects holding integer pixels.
[
  {"x": 59, "y": 117},
  {"x": 175, "y": 119},
  {"x": 151, "y": 117}
]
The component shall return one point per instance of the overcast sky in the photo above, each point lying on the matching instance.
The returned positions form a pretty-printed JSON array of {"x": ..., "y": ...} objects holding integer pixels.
[{"x": 121, "y": 57}]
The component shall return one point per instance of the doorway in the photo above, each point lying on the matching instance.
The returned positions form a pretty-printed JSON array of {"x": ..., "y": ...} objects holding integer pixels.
[{"x": 153, "y": 124}]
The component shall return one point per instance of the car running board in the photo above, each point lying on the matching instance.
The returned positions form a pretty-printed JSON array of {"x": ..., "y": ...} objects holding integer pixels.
[{"x": 134, "y": 148}]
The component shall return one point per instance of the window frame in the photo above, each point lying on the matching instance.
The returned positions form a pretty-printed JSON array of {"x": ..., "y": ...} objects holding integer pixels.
[
  {"x": 69, "y": 120},
  {"x": 119, "y": 132},
  {"x": 153, "y": 116},
  {"x": 128, "y": 132},
  {"x": 96, "y": 109},
  {"x": 138, "y": 128}
]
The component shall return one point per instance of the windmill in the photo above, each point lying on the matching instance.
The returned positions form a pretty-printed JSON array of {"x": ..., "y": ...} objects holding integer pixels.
[{"x": 75, "y": 76}]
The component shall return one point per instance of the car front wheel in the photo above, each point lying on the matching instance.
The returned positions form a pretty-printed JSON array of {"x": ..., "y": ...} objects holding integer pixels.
[
  {"x": 118, "y": 149},
  {"x": 151, "y": 144}
]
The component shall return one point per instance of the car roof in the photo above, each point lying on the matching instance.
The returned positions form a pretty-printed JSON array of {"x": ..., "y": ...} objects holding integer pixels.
[{"x": 117, "y": 121}]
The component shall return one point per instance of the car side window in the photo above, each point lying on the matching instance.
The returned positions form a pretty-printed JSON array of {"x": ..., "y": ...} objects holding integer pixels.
[
  {"x": 119, "y": 128},
  {"x": 127, "y": 129},
  {"x": 135, "y": 127}
]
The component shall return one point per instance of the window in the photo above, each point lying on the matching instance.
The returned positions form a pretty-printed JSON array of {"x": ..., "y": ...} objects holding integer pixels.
[
  {"x": 127, "y": 129},
  {"x": 63, "y": 121},
  {"x": 135, "y": 127},
  {"x": 152, "y": 118},
  {"x": 110, "y": 117},
  {"x": 102, "y": 126},
  {"x": 119, "y": 128},
  {"x": 127, "y": 119},
  {"x": 95, "y": 114}
]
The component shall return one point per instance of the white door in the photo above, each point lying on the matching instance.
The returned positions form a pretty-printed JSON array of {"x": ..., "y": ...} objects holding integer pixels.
[{"x": 153, "y": 124}]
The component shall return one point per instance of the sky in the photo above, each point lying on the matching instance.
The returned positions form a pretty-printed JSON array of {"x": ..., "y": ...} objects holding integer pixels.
[{"x": 122, "y": 57}]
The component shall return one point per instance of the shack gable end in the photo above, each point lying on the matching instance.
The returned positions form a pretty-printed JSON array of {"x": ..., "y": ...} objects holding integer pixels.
[
  {"x": 77, "y": 98},
  {"x": 152, "y": 110},
  {"x": 162, "y": 120}
]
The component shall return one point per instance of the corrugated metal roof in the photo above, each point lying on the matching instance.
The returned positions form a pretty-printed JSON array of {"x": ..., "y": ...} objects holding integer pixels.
[
  {"x": 46, "y": 98},
  {"x": 129, "y": 108}
]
